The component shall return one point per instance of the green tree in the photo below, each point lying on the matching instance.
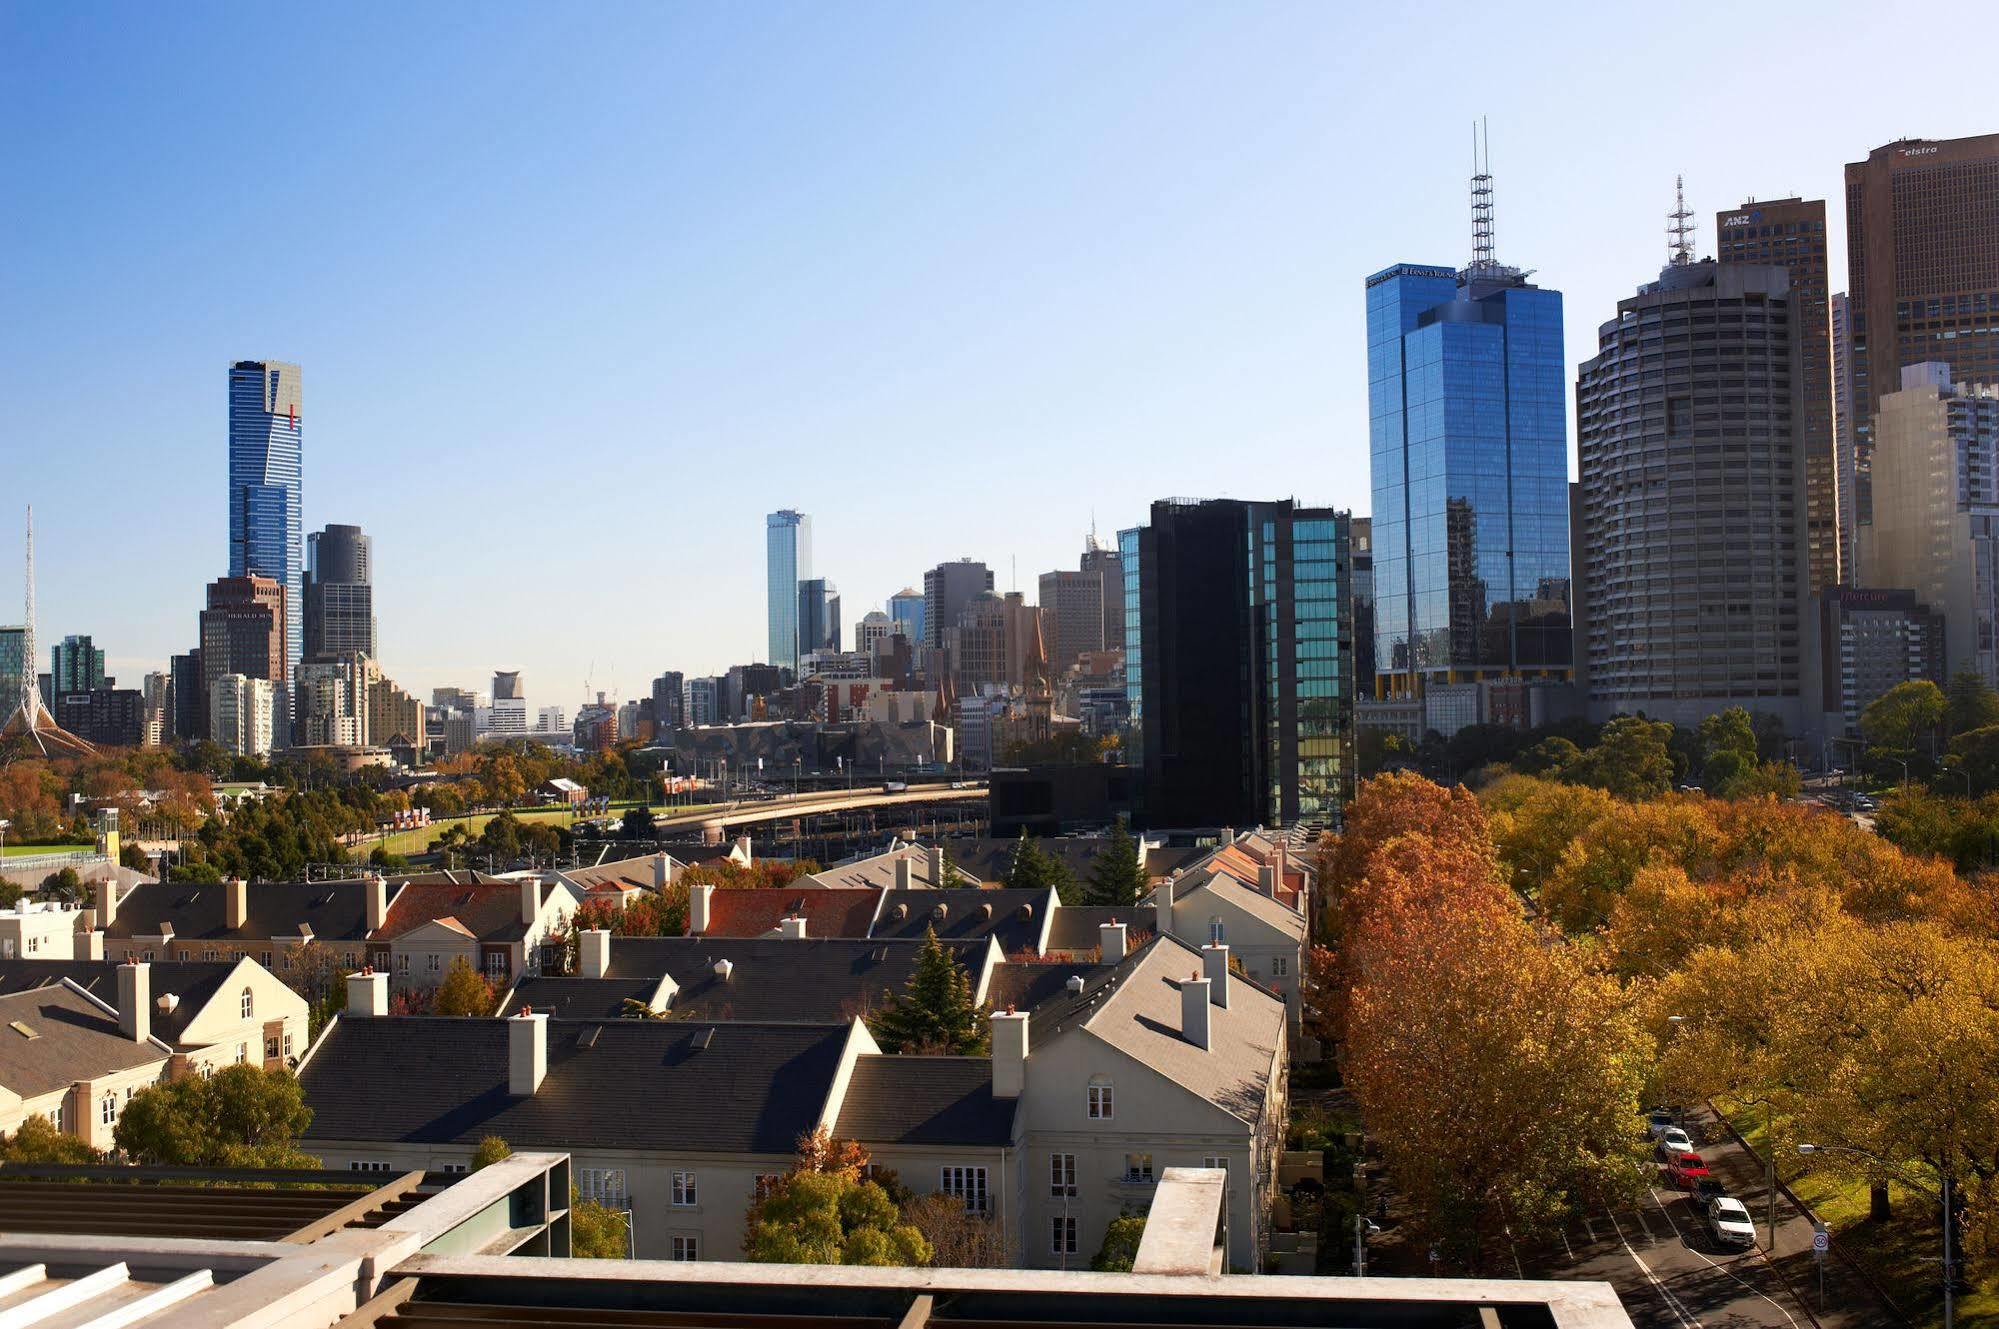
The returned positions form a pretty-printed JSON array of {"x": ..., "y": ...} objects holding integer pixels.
[
  {"x": 464, "y": 991},
  {"x": 1630, "y": 761},
  {"x": 1976, "y": 753},
  {"x": 1115, "y": 875},
  {"x": 1727, "y": 745},
  {"x": 1969, "y": 703},
  {"x": 492, "y": 1149},
  {"x": 1120, "y": 1248},
  {"x": 831, "y": 1218},
  {"x": 38, "y": 1141},
  {"x": 1903, "y": 722},
  {"x": 637, "y": 824},
  {"x": 1034, "y": 869},
  {"x": 1550, "y": 757},
  {"x": 935, "y": 1012},
  {"x": 65, "y": 885},
  {"x": 596, "y": 1232},
  {"x": 242, "y": 1116}
]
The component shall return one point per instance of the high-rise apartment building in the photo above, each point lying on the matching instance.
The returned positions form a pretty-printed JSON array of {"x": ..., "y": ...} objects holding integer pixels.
[
  {"x": 190, "y": 694},
  {"x": 339, "y": 594},
  {"x": 1922, "y": 258},
  {"x": 818, "y": 616},
  {"x": 787, "y": 562},
  {"x": 330, "y": 698},
  {"x": 906, "y": 608},
  {"x": 266, "y": 491},
  {"x": 669, "y": 702},
  {"x": 1469, "y": 458},
  {"x": 13, "y": 664},
  {"x": 239, "y": 711},
  {"x": 704, "y": 701},
  {"x": 1693, "y": 500},
  {"x": 393, "y": 714},
  {"x": 158, "y": 690},
  {"x": 76, "y": 664},
  {"x": 1790, "y": 233},
  {"x": 1844, "y": 440},
  {"x": 243, "y": 632},
  {"x": 1244, "y": 654},
  {"x": 1936, "y": 508},
  {"x": 1361, "y": 543},
  {"x": 1106, "y": 564},
  {"x": 947, "y": 589}
]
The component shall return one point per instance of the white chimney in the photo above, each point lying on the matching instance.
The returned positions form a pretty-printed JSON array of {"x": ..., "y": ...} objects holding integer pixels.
[
  {"x": 1110, "y": 942},
  {"x": 1215, "y": 968},
  {"x": 905, "y": 872},
  {"x": 107, "y": 903},
  {"x": 93, "y": 944},
  {"x": 530, "y": 901},
  {"x": 1194, "y": 1011},
  {"x": 723, "y": 968},
  {"x": 1162, "y": 903},
  {"x": 1266, "y": 880},
  {"x": 662, "y": 872},
  {"x": 135, "y": 1000},
  {"x": 792, "y": 928},
  {"x": 367, "y": 993},
  {"x": 593, "y": 952},
  {"x": 700, "y": 901},
  {"x": 527, "y": 1052},
  {"x": 743, "y": 843},
  {"x": 1228, "y": 836},
  {"x": 935, "y": 856},
  {"x": 235, "y": 903},
  {"x": 1009, "y": 1053},
  {"x": 377, "y": 889}
]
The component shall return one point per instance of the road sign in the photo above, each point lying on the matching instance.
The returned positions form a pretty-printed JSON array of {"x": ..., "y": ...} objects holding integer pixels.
[{"x": 1821, "y": 1243}]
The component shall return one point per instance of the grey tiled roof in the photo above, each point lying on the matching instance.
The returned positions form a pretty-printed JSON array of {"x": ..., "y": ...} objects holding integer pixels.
[
  {"x": 817, "y": 978},
  {"x": 51, "y": 1037},
  {"x": 567, "y": 998},
  {"x": 924, "y": 1100},
  {"x": 1014, "y": 917},
  {"x": 193, "y": 982}
]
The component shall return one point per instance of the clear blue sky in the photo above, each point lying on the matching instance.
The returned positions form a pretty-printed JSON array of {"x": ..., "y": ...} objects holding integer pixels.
[{"x": 582, "y": 291}]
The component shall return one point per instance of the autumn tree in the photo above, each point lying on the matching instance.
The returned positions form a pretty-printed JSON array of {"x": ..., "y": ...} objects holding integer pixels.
[
  {"x": 957, "y": 1237},
  {"x": 1115, "y": 875},
  {"x": 241, "y": 1116},
  {"x": 596, "y": 1231},
  {"x": 935, "y": 1011},
  {"x": 464, "y": 992},
  {"x": 492, "y": 1149},
  {"x": 1969, "y": 703},
  {"x": 824, "y": 1212}
]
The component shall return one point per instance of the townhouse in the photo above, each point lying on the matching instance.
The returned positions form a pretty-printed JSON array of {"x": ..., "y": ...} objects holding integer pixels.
[
  {"x": 209, "y": 1015},
  {"x": 75, "y": 1059}
]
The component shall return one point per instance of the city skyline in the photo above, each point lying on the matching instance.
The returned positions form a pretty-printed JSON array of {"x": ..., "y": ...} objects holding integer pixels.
[{"x": 1225, "y": 314}]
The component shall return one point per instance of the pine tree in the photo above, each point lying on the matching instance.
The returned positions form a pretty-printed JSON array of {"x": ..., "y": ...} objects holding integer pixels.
[
  {"x": 1115, "y": 876},
  {"x": 935, "y": 1012},
  {"x": 1034, "y": 869}
]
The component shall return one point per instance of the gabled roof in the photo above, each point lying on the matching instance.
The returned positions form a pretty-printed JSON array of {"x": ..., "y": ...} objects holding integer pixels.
[
  {"x": 1026, "y": 985},
  {"x": 1014, "y": 917},
  {"x": 753, "y": 911},
  {"x": 773, "y": 979},
  {"x": 488, "y": 913},
  {"x": 990, "y": 858},
  {"x": 624, "y": 874},
  {"x": 333, "y": 910},
  {"x": 924, "y": 1100},
  {"x": 1074, "y": 929},
  {"x": 51, "y": 1037},
  {"x": 613, "y": 1084},
  {"x": 1244, "y": 860},
  {"x": 1063, "y": 1010},
  {"x": 193, "y": 982},
  {"x": 1246, "y": 898},
  {"x": 878, "y": 870},
  {"x": 565, "y": 997}
]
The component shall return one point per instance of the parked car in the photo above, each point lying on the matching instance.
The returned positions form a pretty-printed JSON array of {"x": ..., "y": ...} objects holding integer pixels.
[
  {"x": 1674, "y": 1141},
  {"x": 1685, "y": 1171},
  {"x": 1707, "y": 1188},
  {"x": 1728, "y": 1218},
  {"x": 1862, "y": 803},
  {"x": 1657, "y": 1122}
]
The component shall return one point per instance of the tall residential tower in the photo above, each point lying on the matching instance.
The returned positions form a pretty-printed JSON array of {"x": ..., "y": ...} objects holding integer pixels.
[
  {"x": 266, "y": 493},
  {"x": 339, "y": 594},
  {"x": 787, "y": 562}
]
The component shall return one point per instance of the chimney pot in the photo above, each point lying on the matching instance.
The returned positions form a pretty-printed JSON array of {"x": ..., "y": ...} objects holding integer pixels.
[
  {"x": 107, "y": 904},
  {"x": 527, "y": 1053},
  {"x": 700, "y": 903},
  {"x": 662, "y": 872},
  {"x": 367, "y": 993},
  {"x": 1111, "y": 942},
  {"x": 723, "y": 968},
  {"x": 792, "y": 928},
  {"x": 904, "y": 873},
  {"x": 1009, "y": 1054},
  {"x": 593, "y": 951},
  {"x": 530, "y": 901},
  {"x": 1194, "y": 1012},
  {"x": 1162, "y": 904},
  {"x": 377, "y": 888},
  {"x": 935, "y": 856},
  {"x": 135, "y": 1000},
  {"x": 1215, "y": 968}
]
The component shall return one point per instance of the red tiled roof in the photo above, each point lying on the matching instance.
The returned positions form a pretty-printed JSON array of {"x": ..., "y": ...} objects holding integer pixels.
[
  {"x": 491, "y": 913},
  {"x": 830, "y": 911},
  {"x": 1237, "y": 862}
]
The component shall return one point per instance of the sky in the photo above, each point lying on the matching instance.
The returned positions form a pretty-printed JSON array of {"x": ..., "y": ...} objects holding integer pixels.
[{"x": 581, "y": 292}]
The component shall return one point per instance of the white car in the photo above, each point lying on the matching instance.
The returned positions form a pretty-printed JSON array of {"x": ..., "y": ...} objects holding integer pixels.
[
  {"x": 1728, "y": 1218},
  {"x": 1673, "y": 1142}
]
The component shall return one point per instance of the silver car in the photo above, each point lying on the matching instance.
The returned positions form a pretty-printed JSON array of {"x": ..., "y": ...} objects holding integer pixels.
[{"x": 1728, "y": 1218}]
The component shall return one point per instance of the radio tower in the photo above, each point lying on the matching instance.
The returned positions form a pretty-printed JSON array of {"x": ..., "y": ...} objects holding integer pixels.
[
  {"x": 30, "y": 717},
  {"x": 1483, "y": 255},
  {"x": 1680, "y": 226}
]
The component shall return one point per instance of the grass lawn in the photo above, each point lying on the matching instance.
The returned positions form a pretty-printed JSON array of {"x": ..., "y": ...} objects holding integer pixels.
[
  {"x": 1901, "y": 1254},
  {"x": 30, "y": 850}
]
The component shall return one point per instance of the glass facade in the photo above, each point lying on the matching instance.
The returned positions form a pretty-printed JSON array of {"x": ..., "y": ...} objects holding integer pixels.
[
  {"x": 1300, "y": 576},
  {"x": 906, "y": 608},
  {"x": 13, "y": 648},
  {"x": 266, "y": 494},
  {"x": 788, "y": 561},
  {"x": 1468, "y": 450},
  {"x": 1134, "y": 671},
  {"x": 76, "y": 664}
]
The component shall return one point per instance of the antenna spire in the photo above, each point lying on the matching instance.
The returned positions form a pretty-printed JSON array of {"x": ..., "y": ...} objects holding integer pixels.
[
  {"x": 29, "y": 716},
  {"x": 1680, "y": 226},
  {"x": 1483, "y": 258}
]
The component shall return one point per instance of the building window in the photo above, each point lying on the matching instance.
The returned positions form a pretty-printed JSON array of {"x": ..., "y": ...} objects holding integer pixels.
[
  {"x": 967, "y": 1184},
  {"x": 1217, "y": 934},
  {"x": 1061, "y": 1174},
  {"x": 686, "y": 1249},
  {"x": 147, "y": 956},
  {"x": 455, "y": 1169},
  {"x": 242, "y": 1053},
  {"x": 402, "y": 964},
  {"x": 211, "y": 955},
  {"x": 288, "y": 1044},
  {"x": 107, "y": 1111},
  {"x": 1215, "y": 1162},
  {"x": 433, "y": 963},
  {"x": 266, "y": 960},
  {"x": 1279, "y": 967},
  {"x": 686, "y": 1193},
  {"x": 1138, "y": 1167},
  {"x": 603, "y": 1185},
  {"x": 368, "y": 1165},
  {"x": 496, "y": 964},
  {"x": 1101, "y": 1104},
  {"x": 249, "y": 1004},
  {"x": 270, "y": 1047},
  {"x": 1062, "y": 1235}
]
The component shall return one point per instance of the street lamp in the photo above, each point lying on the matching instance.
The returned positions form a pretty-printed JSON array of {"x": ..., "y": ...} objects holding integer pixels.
[{"x": 1949, "y": 1262}]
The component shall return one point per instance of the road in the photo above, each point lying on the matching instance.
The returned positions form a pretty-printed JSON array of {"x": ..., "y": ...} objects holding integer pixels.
[{"x": 813, "y": 804}]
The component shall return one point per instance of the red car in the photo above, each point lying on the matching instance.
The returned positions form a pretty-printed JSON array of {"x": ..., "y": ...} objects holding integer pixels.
[{"x": 1685, "y": 1171}]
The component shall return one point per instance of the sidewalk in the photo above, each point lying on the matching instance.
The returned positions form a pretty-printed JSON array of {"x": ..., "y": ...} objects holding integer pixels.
[{"x": 1850, "y": 1303}]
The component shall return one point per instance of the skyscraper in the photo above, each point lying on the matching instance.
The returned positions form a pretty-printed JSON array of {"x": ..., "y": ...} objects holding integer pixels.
[
  {"x": 13, "y": 663},
  {"x": 1468, "y": 443},
  {"x": 243, "y": 633},
  {"x": 787, "y": 561},
  {"x": 1790, "y": 233},
  {"x": 1845, "y": 445},
  {"x": 947, "y": 589},
  {"x": 339, "y": 594},
  {"x": 1246, "y": 671},
  {"x": 76, "y": 664},
  {"x": 1105, "y": 563},
  {"x": 818, "y": 616},
  {"x": 669, "y": 702},
  {"x": 906, "y": 608},
  {"x": 1922, "y": 257},
  {"x": 1693, "y": 499},
  {"x": 266, "y": 493},
  {"x": 1074, "y": 604}
]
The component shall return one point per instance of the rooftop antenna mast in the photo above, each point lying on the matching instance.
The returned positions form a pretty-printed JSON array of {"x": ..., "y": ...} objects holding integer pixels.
[
  {"x": 1680, "y": 226},
  {"x": 1483, "y": 255}
]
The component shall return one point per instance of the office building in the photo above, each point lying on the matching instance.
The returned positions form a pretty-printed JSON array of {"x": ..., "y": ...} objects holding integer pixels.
[
  {"x": 906, "y": 608},
  {"x": 1790, "y": 233},
  {"x": 190, "y": 694},
  {"x": 977, "y": 644},
  {"x": 551, "y": 720},
  {"x": 669, "y": 702},
  {"x": 106, "y": 716},
  {"x": 703, "y": 701},
  {"x": 239, "y": 713},
  {"x": 158, "y": 690},
  {"x": 787, "y": 562},
  {"x": 947, "y": 589},
  {"x": 875, "y": 626},
  {"x": 1922, "y": 259},
  {"x": 1108, "y": 566},
  {"x": 339, "y": 594},
  {"x": 507, "y": 685},
  {"x": 1244, "y": 654},
  {"x": 13, "y": 663},
  {"x": 75, "y": 665},
  {"x": 1936, "y": 508},
  {"x": 1845, "y": 443},
  {"x": 456, "y": 699},
  {"x": 243, "y": 632},
  {"x": 1869, "y": 642},
  {"x": 1468, "y": 457},
  {"x": 1129, "y": 543},
  {"x": 818, "y": 616},
  {"x": 1074, "y": 605},
  {"x": 507, "y": 717},
  {"x": 266, "y": 492},
  {"x": 1693, "y": 499}
]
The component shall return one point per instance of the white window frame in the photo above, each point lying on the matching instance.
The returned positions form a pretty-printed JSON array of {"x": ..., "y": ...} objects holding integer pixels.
[
  {"x": 368, "y": 1165},
  {"x": 248, "y": 1004},
  {"x": 1215, "y": 1161},
  {"x": 686, "y": 1190},
  {"x": 603, "y": 1185},
  {"x": 402, "y": 964},
  {"x": 684, "y": 1248},
  {"x": 1062, "y": 1234},
  {"x": 966, "y": 1182},
  {"x": 433, "y": 963},
  {"x": 1280, "y": 967},
  {"x": 242, "y": 1054},
  {"x": 1103, "y": 1102},
  {"x": 1061, "y": 1176},
  {"x": 1139, "y": 1167},
  {"x": 107, "y": 1109}
]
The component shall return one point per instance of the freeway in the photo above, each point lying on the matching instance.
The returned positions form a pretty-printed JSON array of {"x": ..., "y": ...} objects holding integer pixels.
[{"x": 786, "y": 807}]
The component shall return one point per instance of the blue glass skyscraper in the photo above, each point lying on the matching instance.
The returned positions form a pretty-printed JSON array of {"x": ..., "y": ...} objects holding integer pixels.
[
  {"x": 1468, "y": 447},
  {"x": 266, "y": 495},
  {"x": 788, "y": 561}
]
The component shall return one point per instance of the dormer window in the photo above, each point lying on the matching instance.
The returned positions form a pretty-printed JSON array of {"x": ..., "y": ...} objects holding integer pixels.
[
  {"x": 1102, "y": 1103},
  {"x": 249, "y": 1004}
]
